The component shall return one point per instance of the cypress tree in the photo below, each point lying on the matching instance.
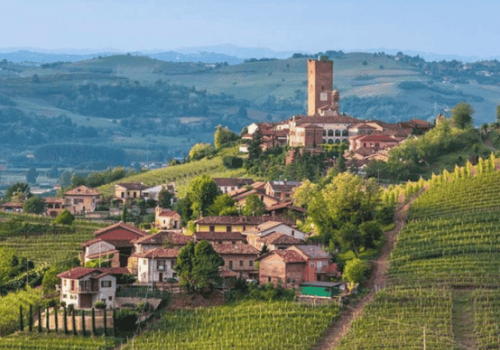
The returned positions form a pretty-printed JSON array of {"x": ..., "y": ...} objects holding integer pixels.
[
  {"x": 56, "y": 321},
  {"x": 105, "y": 324},
  {"x": 65, "y": 321},
  {"x": 73, "y": 318},
  {"x": 39, "y": 319},
  {"x": 47, "y": 323},
  {"x": 83, "y": 322},
  {"x": 30, "y": 319},
  {"x": 93, "y": 322},
  {"x": 21, "y": 324}
]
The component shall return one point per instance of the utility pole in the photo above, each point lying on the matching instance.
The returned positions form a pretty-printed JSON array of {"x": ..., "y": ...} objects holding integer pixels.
[{"x": 424, "y": 337}]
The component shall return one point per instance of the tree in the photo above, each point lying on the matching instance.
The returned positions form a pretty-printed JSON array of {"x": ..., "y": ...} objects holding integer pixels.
[
  {"x": 349, "y": 238},
  {"x": 200, "y": 150},
  {"x": 53, "y": 173},
  {"x": 198, "y": 267},
  {"x": 201, "y": 194},
  {"x": 498, "y": 113},
  {"x": 371, "y": 232},
  {"x": 223, "y": 205},
  {"x": 34, "y": 205},
  {"x": 461, "y": 115},
  {"x": 254, "y": 150},
  {"x": 354, "y": 271},
  {"x": 18, "y": 187},
  {"x": 223, "y": 136},
  {"x": 124, "y": 213},
  {"x": 50, "y": 279},
  {"x": 165, "y": 198},
  {"x": 64, "y": 218},
  {"x": 7, "y": 256},
  {"x": 35, "y": 79},
  {"x": 254, "y": 206},
  {"x": 65, "y": 179},
  {"x": 340, "y": 164},
  {"x": 242, "y": 113}
]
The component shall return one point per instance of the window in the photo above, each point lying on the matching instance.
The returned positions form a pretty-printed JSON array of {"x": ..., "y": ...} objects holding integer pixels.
[
  {"x": 174, "y": 275},
  {"x": 330, "y": 132},
  {"x": 250, "y": 263},
  {"x": 312, "y": 263},
  {"x": 324, "y": 132},
  {"x": 106, "y": 284},
  {"x": 103, "y": 300},
  {"x": 233, "y": 242},
  {"x": 135, "y": 194},
  {"x": 337, "y": 132},
  {"x": 230, "y": 264},
  {"x": 72, "y": 284},
  {"x": 228, "y": 228},
  {"x": 319, "y": 265},
  {"x": 269, "y": 279},
  {"x": 160, "y": 264},
  {"x": 211, "y": 228},
  {"x": 241, "y": 262},
  {"x": 293, "y": 233},
  {"x": 110, "y": 298},
  {"x": 64, "y": 282},
  {"x": 144, "y": 262},
  {"x": 123, "y": 194},
  {"x": 65, "y": 296}
]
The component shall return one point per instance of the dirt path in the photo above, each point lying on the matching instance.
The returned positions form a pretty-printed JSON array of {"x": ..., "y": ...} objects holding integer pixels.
[{"x": 376, "y": 282}]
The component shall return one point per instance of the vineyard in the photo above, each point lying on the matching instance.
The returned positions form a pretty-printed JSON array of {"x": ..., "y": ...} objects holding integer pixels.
[
  {"x": 246, "y": 326},
  {"x": 449, "y": 248},
  {"x": 9, "y": 308},
  {"x": 54, "y": 342},
  {"x": 181, "y": 174}
]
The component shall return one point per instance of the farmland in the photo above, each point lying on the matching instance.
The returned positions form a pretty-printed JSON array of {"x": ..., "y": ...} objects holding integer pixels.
[
  {"x": 9, "y": 308},
  {"x": 443, "y": 274},
  {"x": 56, "y": 342},
  {"x": 245, "y": 326}
]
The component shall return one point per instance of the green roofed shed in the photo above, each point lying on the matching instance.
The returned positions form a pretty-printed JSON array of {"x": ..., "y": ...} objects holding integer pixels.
[{"x": 322, "y": 289}]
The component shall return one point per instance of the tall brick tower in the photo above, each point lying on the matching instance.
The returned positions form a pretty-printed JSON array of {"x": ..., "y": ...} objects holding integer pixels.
[{"x": 320, "y": 85}]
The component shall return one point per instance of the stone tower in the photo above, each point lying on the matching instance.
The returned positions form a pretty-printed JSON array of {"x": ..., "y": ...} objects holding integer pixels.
[{"x": 320, "y": 84}]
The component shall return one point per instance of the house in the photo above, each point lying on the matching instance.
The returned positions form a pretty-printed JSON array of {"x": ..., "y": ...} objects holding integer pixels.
[
  {"x": 156, "y": 265},
  {"x": 126, "y": 192},
  {"x": 373, "y": 141},
  {"x": 268, "y": 201},
  {"x": 83, "y": 287},
  {"x": 81, "y": 199},
  {"x": 275, "y": 240},
  {"x": 53, "y": 206},
  {"x": 236, "y": 223},
  {"x": 226, "y": 185},
  {"x": 113, "y": 242},
  {"x": 284, "y": 208},
  {"x": 282, "y": 190},
  {"x": 166, "y": 219},
  {"x": 220, "y": 237},
  {"x": 154, "y": 192},
  {"x": 296, "y": 265},
  {"x": 254, "y": 234},
  {"x": 12, "y": 207},
  {"x": 238, "y": 259},
  {"x": 164, "y": 239}
]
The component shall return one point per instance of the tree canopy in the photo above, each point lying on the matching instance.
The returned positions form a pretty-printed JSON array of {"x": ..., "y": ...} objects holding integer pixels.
[
  {"x": 223, "y": 136},
  {"x": 34, "y": 205},
  {"x": 462, "y": 115},
  {"x": 18, "y": 187},
  {"x": 198, "y": 267},
  {"x": 201, "y": 194},
  {"x": 223, "y": 205},
  {"x": 498, "y": 113},
  {"x": 64, "y": 218},
  {"x": 254, "y": 206},
  {"x": 354, "y": 271},
  {"x": 165, "y": 198}
]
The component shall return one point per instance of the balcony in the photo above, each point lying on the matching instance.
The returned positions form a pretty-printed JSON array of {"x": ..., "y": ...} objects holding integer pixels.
[{"x": 85, "y": 287}]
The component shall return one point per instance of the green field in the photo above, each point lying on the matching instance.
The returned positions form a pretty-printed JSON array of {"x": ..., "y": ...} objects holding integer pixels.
[
  {"x": 244, "y": 326},
  {"x": 443, "y": 275},
  {"x": 9, "y": 308}
]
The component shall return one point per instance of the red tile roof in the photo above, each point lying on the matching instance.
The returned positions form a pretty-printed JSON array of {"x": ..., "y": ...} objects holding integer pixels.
[
  {"x": 79, "y": 272},
  {"x": 288, "y": 256},
  {"x": 284, "y": 205},
  {"x": 280, "y": 238},
  {"x": 377, "y": 138},
  {"x": 158, "y": 253},
  {"x": 235, "y": 249},
  {"x": 117, "y": 243},
  {"x": 219, "y": 236},
  {"x": 241, "y": 220},
  {"x": 122, "y": 225},
  {"x": 11, "y": 205},
  {"x": 169, "y": 213},
  {"x": 53, "y": 200},
  {"x": 162, "y": 237},
  {"x": 82, "y": 191}
]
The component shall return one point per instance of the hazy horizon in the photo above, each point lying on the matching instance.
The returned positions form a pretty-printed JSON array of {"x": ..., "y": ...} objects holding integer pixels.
[{"x": 448, "y": 28}]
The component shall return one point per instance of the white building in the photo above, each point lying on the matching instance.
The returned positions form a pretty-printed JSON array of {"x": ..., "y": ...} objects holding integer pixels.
[
  {"x": 156, "y": 265},
  {"x": 83, "y": 287},
  {"x": 255, "y": 235}
]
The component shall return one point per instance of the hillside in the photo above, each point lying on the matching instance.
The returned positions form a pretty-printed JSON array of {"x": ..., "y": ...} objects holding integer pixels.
[
  {"x": 443, "y": 275},
  {"x": 150, "y": 108}
]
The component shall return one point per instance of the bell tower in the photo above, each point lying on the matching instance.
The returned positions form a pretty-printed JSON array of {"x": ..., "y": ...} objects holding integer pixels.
[{"x": 319, "y": 85}]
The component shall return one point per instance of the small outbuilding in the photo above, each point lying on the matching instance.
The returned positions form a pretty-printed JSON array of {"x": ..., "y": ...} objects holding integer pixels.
[{"x": 322, "y": 289}]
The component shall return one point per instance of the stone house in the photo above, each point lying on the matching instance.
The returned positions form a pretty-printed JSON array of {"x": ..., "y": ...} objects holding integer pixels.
[
  {"x": 127, "y": 192},
  {"x": 166, "y": 219},
  {"x": 372, "y": 141},
  {"x": 296, "y": 264},
  {"x": 83, "y": 287},
  {"x": 238, "y": 259},
  {"x": 255, "y": 234},
  {"x": 226, "y": 185},
  {"x": 81, "y": 200},
  {"x": 156, "y": 265},
  {"x": 281, "y": 190},
  {"x": 273, "y": 241},
  {"x": 53, "y": 206},
  {"x": 12, "y": 207},
  {"x": 220, "y": 237},
  {"x": 115, "y": 240},
  {"x": 235, "y": 223}
]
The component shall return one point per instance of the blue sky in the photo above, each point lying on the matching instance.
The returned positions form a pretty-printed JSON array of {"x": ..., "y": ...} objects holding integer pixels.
[{"x": 440, "y": 26}]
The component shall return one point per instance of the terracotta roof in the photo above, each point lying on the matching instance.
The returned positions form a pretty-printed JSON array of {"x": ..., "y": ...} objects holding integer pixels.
[
  {"x": 11, "y": 204},
  {"x": 82, "y": 191},
  {"x": 284, "y": 185},
  {"x": 268, "y": 225},
  {"x": 377, "y": 138},
  {"x": 231, "y": 181},
  {"x": 79, "y": 272},
  {"x": 158, "y": 253},
  {"x": 219, "y": 236},
  {"x": 161, "y": 237},
  {"x": 134, "y": 186},
  {"x": 312, "y": 251},
  {"x": 334, "y": 119},
  {"x": 421, "y": 123},
  {"x": 168, "y": 213},
  {"x": 280, "y": 238},
  {"x": 53, "y": 200},
  {"x": 288, "y": 256},
  {"x": 122, "y": 225},
  {"x": 364, "y": 151},
  {"x": 235, "y": 249},
  {"x": 241, "y": 220}
]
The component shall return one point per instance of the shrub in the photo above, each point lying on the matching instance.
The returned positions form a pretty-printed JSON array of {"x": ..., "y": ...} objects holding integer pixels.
[
  {"x": 100, "y": 305},
  {"x": 126, "y": 320}
]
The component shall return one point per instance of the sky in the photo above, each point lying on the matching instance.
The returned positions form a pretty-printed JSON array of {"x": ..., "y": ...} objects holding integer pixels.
[{"x": 469, "y": 28}]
